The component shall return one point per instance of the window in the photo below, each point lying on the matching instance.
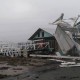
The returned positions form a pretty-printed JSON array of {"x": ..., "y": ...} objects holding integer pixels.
[
  {"x": 38, "y": 34},
  {"x": 42, "y": 34}
]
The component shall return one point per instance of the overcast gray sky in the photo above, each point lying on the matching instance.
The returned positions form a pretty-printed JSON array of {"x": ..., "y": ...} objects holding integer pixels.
[{"x": 19, "y": 19}]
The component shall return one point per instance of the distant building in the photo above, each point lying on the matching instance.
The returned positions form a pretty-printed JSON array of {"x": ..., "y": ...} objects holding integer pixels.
[
  {"x": 13, "y": 52},
  {"x": 22, "y": 45},
  {"x": 9, "y": 49}
]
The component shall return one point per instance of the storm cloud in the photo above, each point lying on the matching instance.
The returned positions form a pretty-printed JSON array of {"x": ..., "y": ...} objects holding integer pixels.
[{"x": 20, "y": 18}]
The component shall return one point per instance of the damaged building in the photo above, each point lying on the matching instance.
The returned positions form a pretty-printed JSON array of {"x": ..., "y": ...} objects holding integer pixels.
[
  {"x": 51, "y": 41},
  {"x": 43, "y": 41}
]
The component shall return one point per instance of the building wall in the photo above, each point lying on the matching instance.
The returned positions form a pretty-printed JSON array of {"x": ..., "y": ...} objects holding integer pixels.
[{"x": 53, "y": 44}]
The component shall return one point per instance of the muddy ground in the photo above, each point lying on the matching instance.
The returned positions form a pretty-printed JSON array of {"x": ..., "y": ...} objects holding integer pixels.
[{"x": 40, "y": 69}]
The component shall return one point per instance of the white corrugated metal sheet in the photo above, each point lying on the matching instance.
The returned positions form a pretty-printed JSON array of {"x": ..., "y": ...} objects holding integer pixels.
[{"x": 64, "y": 40}]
